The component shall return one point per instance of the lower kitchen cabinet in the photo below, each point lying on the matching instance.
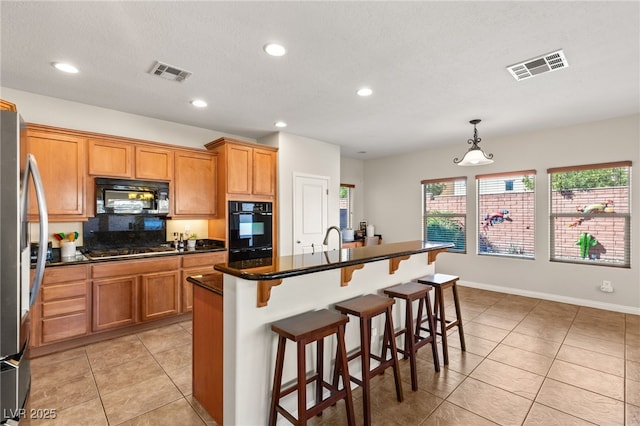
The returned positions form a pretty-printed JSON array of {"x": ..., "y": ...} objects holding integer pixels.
[
  {"x": 130, "y": 291},
  {"x": 62, "y": 310},
  {"x": 114, "y": 302},
  {"x": 78, "y": 303},
  {"x": 160, "y": 296},
  {"x": 197, "y": 264}
]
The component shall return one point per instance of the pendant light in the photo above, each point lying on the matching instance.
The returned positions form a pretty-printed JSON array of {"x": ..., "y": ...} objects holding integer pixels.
[{"x": 474, "y": 156}]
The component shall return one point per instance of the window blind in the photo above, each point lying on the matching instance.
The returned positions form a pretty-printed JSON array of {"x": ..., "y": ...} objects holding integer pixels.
[
  {"x": 590, "y": 214},
  {"x": 506, "y": 214},
  {"x": 445, "y": 211}
]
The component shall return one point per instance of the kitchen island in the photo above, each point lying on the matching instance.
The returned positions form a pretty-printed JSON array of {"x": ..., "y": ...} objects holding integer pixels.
[{"x": 256, "y": 293}]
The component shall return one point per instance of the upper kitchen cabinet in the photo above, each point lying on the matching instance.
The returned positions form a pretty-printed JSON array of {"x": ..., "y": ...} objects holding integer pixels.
[
  {"x": 121, "y": 159},
  {"x": 61, "y": 160},
  {"x": 247, "y": 170},
  {"x": 153, "y": 163},
  {"x": 194, "y": 184},
  {"x": 110, "y": 158}
]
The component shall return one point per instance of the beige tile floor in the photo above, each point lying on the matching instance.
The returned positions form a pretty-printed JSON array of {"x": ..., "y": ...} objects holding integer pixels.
[{"x": 528, "y": 362}]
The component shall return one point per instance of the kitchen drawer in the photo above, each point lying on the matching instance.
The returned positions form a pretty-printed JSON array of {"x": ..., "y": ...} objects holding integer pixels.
[
  {"x": 204, "y": 259},
  {"x": 135, "y": 267},
  {"x": 64, "y": 327},
  {"x": 60, "y": 274},
  {"x": 60, "y": 307},
  {"x": 63, "y": 291}
]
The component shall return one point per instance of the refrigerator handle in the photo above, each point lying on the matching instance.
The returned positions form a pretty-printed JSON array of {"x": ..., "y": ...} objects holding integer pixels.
[{"x": 31, "y": 168}]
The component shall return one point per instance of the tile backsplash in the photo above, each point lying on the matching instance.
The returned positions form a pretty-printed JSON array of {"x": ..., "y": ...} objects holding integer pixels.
[{"x": 198, "y": 227}]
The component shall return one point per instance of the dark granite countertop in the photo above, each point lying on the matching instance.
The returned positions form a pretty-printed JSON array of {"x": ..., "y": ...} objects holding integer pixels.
[
  {"x": 291, "y": 266},
  {"x": 56, "y": 260},
  {"x": 212, "y": 282}
]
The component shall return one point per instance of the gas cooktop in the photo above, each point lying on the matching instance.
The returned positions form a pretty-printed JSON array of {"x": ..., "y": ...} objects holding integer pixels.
[{"x": 128, "y": 252}]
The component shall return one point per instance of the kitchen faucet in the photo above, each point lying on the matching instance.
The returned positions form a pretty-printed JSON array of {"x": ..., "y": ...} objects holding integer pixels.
[{"x": 326, "y": 237}]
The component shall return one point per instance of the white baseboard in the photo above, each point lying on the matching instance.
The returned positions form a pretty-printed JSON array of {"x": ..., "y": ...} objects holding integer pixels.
[{"x": 553, "y": 297}]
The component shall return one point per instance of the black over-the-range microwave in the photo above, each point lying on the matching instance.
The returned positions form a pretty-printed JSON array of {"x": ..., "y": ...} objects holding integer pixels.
[{"x": 120, "y": 196}]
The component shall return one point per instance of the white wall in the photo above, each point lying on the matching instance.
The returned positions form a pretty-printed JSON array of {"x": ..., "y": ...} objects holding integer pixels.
[
  {"x": 73, "y": 115},
  {"x": 393, "y": 205},
  {"x": 352, "y": 171},
  {"x": 297, "y": 154}
]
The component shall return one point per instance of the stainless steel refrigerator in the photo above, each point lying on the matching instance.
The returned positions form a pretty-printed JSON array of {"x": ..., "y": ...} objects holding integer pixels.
[{"x": 17, "y": 292}]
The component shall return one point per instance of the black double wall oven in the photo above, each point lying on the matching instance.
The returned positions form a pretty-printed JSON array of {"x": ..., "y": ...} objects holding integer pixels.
[{"x": 250, "y": 230}]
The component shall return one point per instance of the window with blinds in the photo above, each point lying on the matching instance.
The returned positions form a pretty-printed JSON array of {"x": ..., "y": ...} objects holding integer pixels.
[
  {"x": 590, "y": 214},
  {"x": 445, "y": 212},
  {"x": 346, "y": 205},
  {"x": 506, "y": 213}
]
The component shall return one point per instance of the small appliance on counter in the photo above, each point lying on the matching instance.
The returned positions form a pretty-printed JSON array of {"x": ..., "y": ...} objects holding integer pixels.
[{"x": 347, "y": 235}]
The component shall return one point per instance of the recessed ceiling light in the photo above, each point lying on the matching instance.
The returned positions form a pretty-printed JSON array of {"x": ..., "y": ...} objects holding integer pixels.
[
  {"x": 280, "y": 124},
  {"x": 365, "y": 91},
  {"x": 65, "y": 67},
  {"x": 275, "y": 49},
  {"x": 198, "y": 103}
]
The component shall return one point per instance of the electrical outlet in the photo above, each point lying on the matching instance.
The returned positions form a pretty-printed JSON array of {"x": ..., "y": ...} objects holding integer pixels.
[{"x": 606, "y": 286}]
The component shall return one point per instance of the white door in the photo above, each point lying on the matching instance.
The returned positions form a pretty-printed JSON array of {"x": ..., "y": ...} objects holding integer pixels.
[{"x": 310, "y": 212}]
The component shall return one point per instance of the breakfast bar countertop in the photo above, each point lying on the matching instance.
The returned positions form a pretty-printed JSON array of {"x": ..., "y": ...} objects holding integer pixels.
[{"x": 291, "y": 266}]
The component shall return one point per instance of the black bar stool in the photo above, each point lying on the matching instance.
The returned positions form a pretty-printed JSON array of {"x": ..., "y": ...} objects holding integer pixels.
[
  {"x": 441, "y": 282},
  {"x": 366, "y": 307},
  {"x": 304, "y": 329},
  {"x": 413, "y": 339}
]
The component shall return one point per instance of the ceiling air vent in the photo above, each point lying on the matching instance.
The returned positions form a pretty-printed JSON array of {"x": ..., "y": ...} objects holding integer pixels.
[
  {"x": 550, "y": 62},
  {"x": 169, "y": 72}
]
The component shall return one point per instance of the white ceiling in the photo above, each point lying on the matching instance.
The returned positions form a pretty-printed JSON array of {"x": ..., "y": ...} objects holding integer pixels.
[{"x": 433, "y": 66}]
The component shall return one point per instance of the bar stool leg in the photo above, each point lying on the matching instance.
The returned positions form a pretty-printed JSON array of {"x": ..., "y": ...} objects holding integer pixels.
[
  {"x": 365, "y": 347},
  {"x": 410, "y": 344},
  {"x": 389, "y": 335},
  {"x": 344, "y": 369},
  {"x": 439, "y": 305},
  {"x": 319, "y": 370},
  {"x": 302, "y": 383},
  {"x": 434, "y": 334},
  {"x": 277, "y": 381},
  {"x": 454, "y": 288}
]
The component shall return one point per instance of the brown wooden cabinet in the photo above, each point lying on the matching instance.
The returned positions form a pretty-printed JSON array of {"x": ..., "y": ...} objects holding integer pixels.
[
  {"x": 197, "y": 264},
  {"x": 129, "y": 160},
  {"x": 114, "y": 302},
  {"x": 353, "y": 244},
  {"x": 160, "y": 294},
  {"x": 90, "y": 302},
  {"x": 61, "y": 160},
  {"x": 246, "y": 169},
  {"x": 62, "y": 309},
  {"x": 153, "y": 163},
  {"x": 129, "y": 291},
  {"x": 195, "y": 184},
  {"x": 110, "y": 158},
  {"x": 208, "y": 351}
]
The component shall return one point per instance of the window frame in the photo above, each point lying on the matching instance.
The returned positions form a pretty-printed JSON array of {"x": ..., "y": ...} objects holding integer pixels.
[
  {"x": 446, "y": 216},
  {"x": 555, "y": 253},
  {"x": 350, "y": 190},
  {"x": 527, "y": 233}
]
